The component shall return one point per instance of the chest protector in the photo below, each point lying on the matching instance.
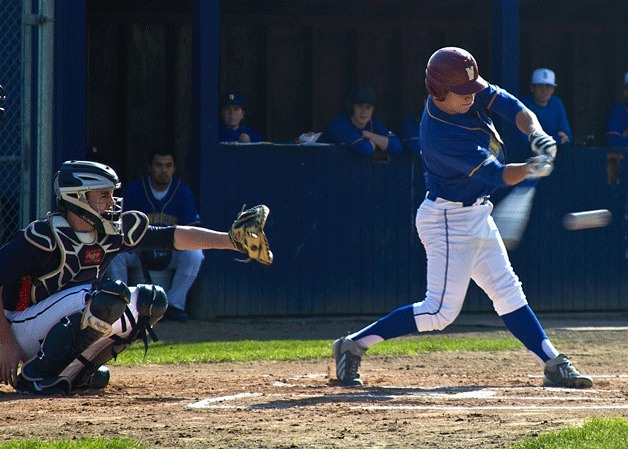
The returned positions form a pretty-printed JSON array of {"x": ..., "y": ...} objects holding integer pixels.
[{"x": 79, "y": 262}]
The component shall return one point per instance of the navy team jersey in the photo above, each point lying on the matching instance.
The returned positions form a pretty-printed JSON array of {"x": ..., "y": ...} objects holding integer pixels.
[
  {"x": 226, "y": 134},
  {"x": 341, "y": 130},
  {"x": 617, "y": 127},
  {"x": 48, "y": 256},
  {"x": 463, "y": 154},
  {"x": 176, "y": 207}
]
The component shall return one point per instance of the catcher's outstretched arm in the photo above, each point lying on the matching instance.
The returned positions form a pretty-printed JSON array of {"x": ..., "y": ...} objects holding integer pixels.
[
  {"x": 246, "y": 235},
  {"x": 194, "y": 237}
]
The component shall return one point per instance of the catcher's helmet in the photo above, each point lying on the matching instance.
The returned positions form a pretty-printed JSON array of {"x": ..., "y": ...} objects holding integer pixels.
[
  {"x": 452, "y": 69},
  {"x": 75, "y": 179}
]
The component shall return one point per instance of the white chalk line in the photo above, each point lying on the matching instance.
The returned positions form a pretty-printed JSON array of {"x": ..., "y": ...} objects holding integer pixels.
[
  {"x": 282, "y": 401},
  {"x": 592, "y": 376},
  {"x": 491, "y": 407},
  {"x": 216, "y": 402}
]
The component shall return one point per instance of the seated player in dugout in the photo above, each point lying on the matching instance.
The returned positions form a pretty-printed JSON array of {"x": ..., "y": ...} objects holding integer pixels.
[
  {"x": 548, "y": 108},
  {"x": 63, "y": 320},
  {"x": 360, "y": 130},
  {"x": 232, "y": 126},
  {"x": 167, "y": 201},
  {"x": 617, "y": 124}
]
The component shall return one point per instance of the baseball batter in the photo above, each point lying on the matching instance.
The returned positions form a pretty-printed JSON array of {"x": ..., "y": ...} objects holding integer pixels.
[
  {"x": 63, "y": 324},
  {"x": 464, "y": 162}
]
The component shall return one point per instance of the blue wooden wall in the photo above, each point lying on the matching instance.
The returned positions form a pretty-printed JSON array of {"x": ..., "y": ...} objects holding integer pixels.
[{"x": 342, "y": 231}]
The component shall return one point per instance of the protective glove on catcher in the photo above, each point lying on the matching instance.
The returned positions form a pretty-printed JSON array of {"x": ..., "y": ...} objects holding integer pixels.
[
  {"x": 247, "y": 234},
  {"x": 539, "y": 166},
  {"x": 543, "y": 144}
]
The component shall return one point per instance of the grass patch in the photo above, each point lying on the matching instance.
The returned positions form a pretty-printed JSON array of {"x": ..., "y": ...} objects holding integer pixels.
[
  {"x": 597, "y": 433},
  {"x": 166, "y": 352},
  {"x": 83, "y": 443}
]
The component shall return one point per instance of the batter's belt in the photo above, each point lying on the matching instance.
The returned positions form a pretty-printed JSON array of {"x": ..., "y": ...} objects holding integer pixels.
[{"x": 478, "y": 202}]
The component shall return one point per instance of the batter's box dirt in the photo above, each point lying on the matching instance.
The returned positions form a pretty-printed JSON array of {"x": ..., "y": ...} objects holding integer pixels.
[{"x": 461, "y": 400}]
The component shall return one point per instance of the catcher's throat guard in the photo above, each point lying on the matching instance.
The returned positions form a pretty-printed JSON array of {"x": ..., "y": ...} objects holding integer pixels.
[{"x": 247, "y": 234}]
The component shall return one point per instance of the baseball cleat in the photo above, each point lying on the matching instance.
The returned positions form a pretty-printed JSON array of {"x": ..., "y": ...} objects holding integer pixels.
[
  {"x": 348, "y": 355},
  {"x": 32, "y": 388},
  {"x": 98, "y": 380},
  {"x": 559, "y": 372}
]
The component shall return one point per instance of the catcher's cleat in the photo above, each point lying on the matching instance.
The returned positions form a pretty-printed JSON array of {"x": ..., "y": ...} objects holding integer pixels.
[
  {"x": 95, "y": 381},
  {"x": 247, "y": 234},
  {"x": 560, "y": 372},
  {"x": 32, "y": 388},
  {"x": 348, "y": 355}
]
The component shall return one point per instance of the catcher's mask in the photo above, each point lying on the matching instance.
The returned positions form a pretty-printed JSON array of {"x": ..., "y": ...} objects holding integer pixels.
[{"x": 75, "y": 179}]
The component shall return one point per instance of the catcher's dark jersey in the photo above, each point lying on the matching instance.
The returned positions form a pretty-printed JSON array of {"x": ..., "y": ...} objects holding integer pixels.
[{"x": 49, "y": 256}]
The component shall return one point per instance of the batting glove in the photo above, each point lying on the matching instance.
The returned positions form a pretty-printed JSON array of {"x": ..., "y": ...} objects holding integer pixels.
[
  {"x": 539, "y": 166},
  {"x": 543, "y": 144}
]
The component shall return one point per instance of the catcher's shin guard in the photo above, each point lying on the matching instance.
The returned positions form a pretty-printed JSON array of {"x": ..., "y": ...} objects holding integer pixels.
[
  {"x": 152, "y": 303},
  {"x": 73, "y": 334}
]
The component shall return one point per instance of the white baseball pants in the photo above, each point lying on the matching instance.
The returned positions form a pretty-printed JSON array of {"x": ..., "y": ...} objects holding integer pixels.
[{"x": 462, "y": 243}]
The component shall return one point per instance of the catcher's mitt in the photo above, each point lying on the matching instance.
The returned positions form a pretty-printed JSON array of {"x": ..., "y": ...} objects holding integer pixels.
[{"x": 247, "y": 234}]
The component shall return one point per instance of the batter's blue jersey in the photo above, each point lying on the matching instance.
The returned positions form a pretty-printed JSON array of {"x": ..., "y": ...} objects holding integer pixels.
[
  {"x": 463, "y": 154},
  {"x": 341, "y": 130},
  {"x": 177, "y": 207}
]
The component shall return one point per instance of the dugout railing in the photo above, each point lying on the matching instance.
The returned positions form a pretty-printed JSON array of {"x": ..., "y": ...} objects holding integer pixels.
[{"x": 342, "y": 230}]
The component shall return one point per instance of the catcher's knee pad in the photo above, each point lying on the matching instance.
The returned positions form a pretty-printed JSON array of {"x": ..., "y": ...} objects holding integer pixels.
[
  {"x": 107, "y": 302},
  {"x": 152, "y": 302},
  {"x": 73, "y": 334}
]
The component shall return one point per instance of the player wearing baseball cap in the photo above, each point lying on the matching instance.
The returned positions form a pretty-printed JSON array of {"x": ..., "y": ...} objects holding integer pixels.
[
  {"x": 464, "y": 162},
  {"x": 617, "y": 125},
  {"x": 232, "y": 126},
  {"x": 548, "y": 108},
  {"x": 360, "y": 130}
]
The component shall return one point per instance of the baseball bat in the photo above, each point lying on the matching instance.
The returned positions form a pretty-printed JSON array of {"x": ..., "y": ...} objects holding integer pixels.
[{"x": 512, "y": 213}]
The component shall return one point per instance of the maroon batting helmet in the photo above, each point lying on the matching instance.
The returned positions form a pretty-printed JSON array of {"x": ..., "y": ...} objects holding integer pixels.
[{"x": 452, "y": 69}]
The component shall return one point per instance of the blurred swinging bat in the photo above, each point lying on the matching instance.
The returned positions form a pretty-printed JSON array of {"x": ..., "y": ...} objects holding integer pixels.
[{"x": 512, "y": 213}]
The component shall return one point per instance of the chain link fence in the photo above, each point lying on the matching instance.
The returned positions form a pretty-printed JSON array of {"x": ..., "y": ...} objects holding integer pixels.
[{"x": 11, "y": 126}]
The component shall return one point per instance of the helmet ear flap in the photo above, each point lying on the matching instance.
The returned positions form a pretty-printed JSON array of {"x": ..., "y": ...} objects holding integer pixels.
[{"x": 436, "y": 92}]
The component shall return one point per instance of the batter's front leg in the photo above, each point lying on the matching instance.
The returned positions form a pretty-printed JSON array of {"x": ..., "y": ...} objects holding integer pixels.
[{"x": 450, "y": 256}]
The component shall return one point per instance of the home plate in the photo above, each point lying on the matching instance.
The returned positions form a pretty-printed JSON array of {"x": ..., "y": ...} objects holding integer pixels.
[{"x": 438, "y": 398}]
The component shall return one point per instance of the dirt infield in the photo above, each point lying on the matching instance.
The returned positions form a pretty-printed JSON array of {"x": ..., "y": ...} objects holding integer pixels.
[{"x": 459, "y": 400}]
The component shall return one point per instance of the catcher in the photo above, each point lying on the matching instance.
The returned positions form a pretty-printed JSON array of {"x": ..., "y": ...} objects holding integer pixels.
[{"x": 63, "y": 322}]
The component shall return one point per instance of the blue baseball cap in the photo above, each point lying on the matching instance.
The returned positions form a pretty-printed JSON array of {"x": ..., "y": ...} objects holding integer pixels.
[
  {"x": 232, "y": 98},
  {"x": 363, "y": 94}
]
